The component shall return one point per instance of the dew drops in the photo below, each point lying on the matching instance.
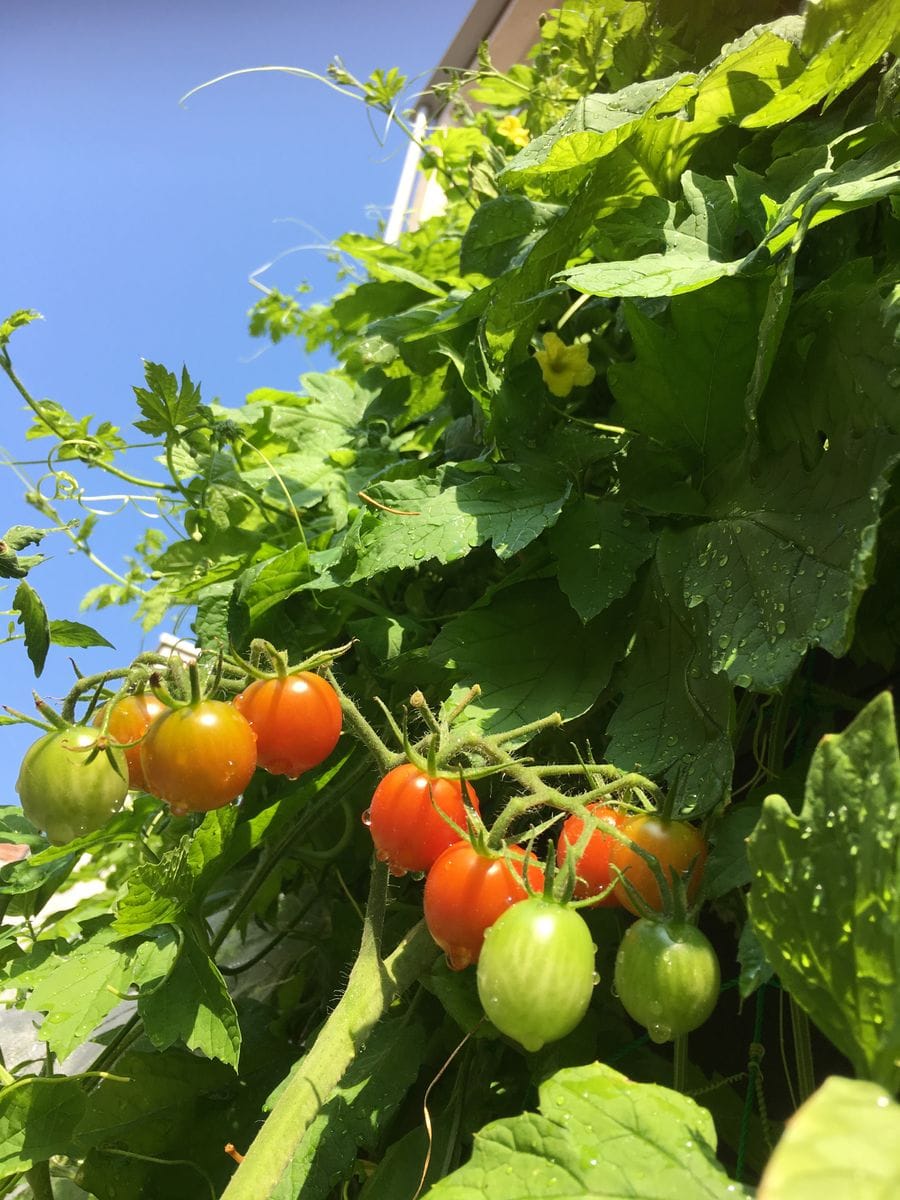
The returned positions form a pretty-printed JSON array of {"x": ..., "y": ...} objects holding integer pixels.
[{"x": 366, "y": 818}]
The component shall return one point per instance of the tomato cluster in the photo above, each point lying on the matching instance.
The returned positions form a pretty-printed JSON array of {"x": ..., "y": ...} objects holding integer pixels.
[
  {"x": 195, "y": 756},
  {"x": 534, "y": 955}
]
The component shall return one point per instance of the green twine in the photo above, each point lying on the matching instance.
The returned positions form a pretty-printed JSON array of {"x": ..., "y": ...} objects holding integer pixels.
[{"x": 754, "y": 1082}]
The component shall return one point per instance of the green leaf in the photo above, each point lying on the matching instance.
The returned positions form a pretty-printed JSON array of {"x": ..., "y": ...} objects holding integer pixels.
[
  {"x": 193, "y": 1006},
  {"x": 675, "y": 710},
  {"x": 16, "y": 320},
  {"x": 728, "y": 866},
  {"x": 844, "y": 1141},
  {"x": 599, "y": 547},
  {"x": 38, "y": 1117},
  {"x": 357, "y": 1110},
  {"x": 825, "y": 901},
  {"x": 597, "y": 1135},
  {"x": 33, "y": 618},
  {"x": 169, "y": 409},
  {"x": 530, "y": 654},
  {"x": 502, "y": 232},
  {"x": 755, "y": 967},
  {"x": 157, "y": 1112},
  {"x": 593, "y": 129},
  {"x": 77, "y": 990},
  {"x": 841, "y": 40},
  {"x": 74, "y": 633},
  {"x": 453, "y": 510},
  {"x": 784, "y": 565},
  {"x": 840, "y": 353},
  {"x": 156, "y": 893},
  {"x": 697, "y": 408}
]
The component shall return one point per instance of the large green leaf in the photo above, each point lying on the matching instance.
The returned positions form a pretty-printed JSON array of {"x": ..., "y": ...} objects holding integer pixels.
[
  {"x": 843, "y": 1142},
  {"x": 530, "y": 655},
  {"x": 598, "y": 1136},
  {"x": 784, "y": 564},
  {"x": 825, "y": 901},
  {"x": 675, "y": 710},
  {"x": 841, "y": 40},
  {"x": 687, "y": 385},
  {"x": 599, "y": 547},
  {"x": 442, "y": 516}
]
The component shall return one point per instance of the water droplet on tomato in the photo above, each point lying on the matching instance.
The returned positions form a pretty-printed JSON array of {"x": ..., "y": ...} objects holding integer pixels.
[
  {"x": 595, "y": 978},
  {"x": 367, "y": 817}
]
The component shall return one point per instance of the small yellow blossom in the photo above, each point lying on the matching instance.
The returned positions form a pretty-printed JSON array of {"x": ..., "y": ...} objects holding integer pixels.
[
  {"x": 564, "y": 367},
  {"x": 514, "y": 131}
]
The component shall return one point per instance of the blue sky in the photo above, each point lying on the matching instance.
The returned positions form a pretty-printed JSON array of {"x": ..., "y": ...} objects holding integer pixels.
[{"x": 132, "y": 224}]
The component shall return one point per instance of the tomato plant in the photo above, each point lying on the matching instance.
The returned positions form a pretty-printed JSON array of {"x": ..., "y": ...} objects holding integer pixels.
[
  {"x": 65, "y": 792},
  {"x": 199, "y": 757},
  {"x": 466, "y": 892},
  {"x": 297, "y": 721},
  {"x": 129, "y": 719},
  {"x": 593, "y": 870},
  {"x": 667, "y": 977},
  {"x": 536, "y": 971},
  {"x": 676, "y": 845},
  {"x": 609, "y": 455}
]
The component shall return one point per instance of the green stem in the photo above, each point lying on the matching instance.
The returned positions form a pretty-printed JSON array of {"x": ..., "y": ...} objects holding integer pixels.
[
  {"x": 806, "y": 1077},
  {"x": 371, "y": 988},
  {"x": 679, "y": 1063},
  {"x": 39, "y": 1181},
  {"x": 7, "y": 366},
  {"x": 362, "y": 730}
]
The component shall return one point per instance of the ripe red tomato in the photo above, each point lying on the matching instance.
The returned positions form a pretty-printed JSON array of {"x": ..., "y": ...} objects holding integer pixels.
[
  {"x": 466, "y": 892},
  {"x": 408, "y": 831},
  {"x": 674, "y": 844},
  {"x": 129, "y": 720},
  {"x": 594, "y": 874},
  {"x": 297, "y": 721},
  {"x": 199, "y": 757}
]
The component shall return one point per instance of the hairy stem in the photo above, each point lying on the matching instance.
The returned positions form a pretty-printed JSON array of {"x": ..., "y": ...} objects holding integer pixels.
[{"x": 371, "y": 988}]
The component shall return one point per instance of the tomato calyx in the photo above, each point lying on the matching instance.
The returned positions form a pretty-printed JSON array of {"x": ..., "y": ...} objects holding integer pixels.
[{"x": 279, "y": 667}]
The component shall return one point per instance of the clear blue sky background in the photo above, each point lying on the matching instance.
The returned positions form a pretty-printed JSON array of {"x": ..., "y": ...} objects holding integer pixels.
[{"x": 132, "y": 224}]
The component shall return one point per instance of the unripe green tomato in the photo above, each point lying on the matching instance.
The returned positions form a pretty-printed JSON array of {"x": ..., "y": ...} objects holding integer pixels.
[
  {"x": 61, "y": 792},
  {"x": 667, "y": 977},
  {"x": 536, "y": 971}
]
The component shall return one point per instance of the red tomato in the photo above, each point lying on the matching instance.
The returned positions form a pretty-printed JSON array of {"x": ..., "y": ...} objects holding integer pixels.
[
  {"x": 466, "y": 892},
  {"x": 129, "y": 720},
  {"x": 408, "y": 831},
  {"x": 594, "y": 874},
  {"x": 297, "y": 721},
  {"x": 674, "y": 844},
  {"x": 199, "y": 757}
]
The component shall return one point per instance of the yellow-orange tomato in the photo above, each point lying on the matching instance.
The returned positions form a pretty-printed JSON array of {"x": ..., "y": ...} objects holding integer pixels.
[
  {"x": 674, "y": 844},
  {"x": 199, "y": 757}
]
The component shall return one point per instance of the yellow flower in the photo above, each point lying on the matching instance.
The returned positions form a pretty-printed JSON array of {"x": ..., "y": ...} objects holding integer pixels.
[
  {"x": 514, "y": 131},
  {"x": 564, "y": 367}
]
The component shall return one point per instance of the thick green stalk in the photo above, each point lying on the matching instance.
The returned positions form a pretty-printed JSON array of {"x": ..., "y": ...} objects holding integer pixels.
[{"x": 371, "y": 988}]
